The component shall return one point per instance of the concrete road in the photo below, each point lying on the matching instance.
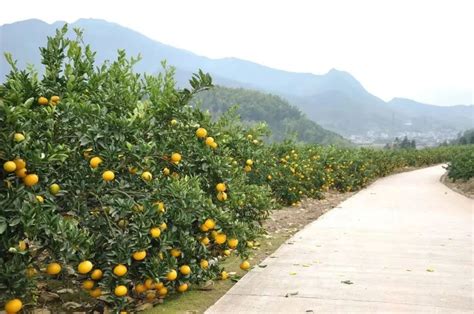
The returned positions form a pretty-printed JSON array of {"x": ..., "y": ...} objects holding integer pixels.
[{"x": 404, "y": 244}]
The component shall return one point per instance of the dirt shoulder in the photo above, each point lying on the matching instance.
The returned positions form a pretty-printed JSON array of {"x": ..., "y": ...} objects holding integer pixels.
[{"x": 465, "y": 188}]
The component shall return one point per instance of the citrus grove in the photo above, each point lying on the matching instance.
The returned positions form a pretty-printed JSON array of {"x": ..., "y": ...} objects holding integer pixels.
[{"x": 111, "y": 181}]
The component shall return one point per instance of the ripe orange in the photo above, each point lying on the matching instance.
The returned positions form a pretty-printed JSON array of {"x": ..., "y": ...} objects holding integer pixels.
[
  {"x": 147, "y": 176},
  {"x": 95, "y": 162},
  {"x": 155, "y": 232},
  {"x": 205, "y": 240},
  {"x": 224, "y": 275},
  {"x": 53, "y": 269},
  {"x": 172, "y": 275},
  {"x": 209, "y": 141},
  {"x": 185, "y": 270},
  {"x": 13, "y": 306},
  {"x": 20, "y": 163},
  {"x": 232, "y": 243},
  {"x": 55, "y": 99},
  {"x": 175, "y": 252},
  {"x": 120, "y": 270},
  {"x": 204, "y": 264},
  {"x": 247, "y": 168},
  {"x": 175, "y": 158},
  {"x": 220, "y": 238},
  {"x": 220, "y": 187},
  {"x": 227, "y": 252},
  {"x": 139, "y": 255},
  {"x": 149, "y": 283},
  {"x": 163, "y": 226},
  {"x": 88, "y": 284},
  {"x": 163, "y": 291},
  {"x": 120, "y": 290},
  {"x": 20, "y": 173},
  {"x": 96, "y": 274},
  {"x": 140, "y": 288},
  {"x": 39, "y": 198},
  {"x": 43, "y": 101},
  {"x": 166, "y": 171},
  {"x": 18, "y": 137},
  {"x": 204, "y": 228},
  {"x": 222, "y": 196},
  {"x": 9, "y": 166},
  {"x": 210, "y": 223},
  {"x": 22, "y": 246},
  {"x": 213, "y": 145},
  {"x": 84, "y": 267},
  {"x": 108, "y": 175},
  {"x": 245, "y": 265},
  {"x": 249, "y": 162},
  {"x": 201, "y": 133},
  {"x": 97, "y": 292},
  {"x": 183, "y": 287}
]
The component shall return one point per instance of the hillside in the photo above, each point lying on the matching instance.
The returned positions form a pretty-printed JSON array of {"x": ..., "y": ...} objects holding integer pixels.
[
  {"x": 335, "y": 100},
  {"x": 284, "y": 120}
]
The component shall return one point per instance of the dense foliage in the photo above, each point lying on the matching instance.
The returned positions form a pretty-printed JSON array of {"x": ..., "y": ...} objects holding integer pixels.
[
  {"x": 461, "y": 166},
  {"x": 113, "y": 183},
  {"x": 284, "y": 120}
]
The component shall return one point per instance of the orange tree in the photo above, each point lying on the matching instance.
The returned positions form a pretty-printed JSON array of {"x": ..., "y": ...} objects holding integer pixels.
[{"x": 111, "y": 180}]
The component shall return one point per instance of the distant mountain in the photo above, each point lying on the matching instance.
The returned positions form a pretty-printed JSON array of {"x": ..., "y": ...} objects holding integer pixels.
[
  {"x": 336, "y": 100},
  {"x": 284, "y": 120}
]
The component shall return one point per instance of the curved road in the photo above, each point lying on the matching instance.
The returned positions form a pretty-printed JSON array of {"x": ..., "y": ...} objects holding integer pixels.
[{"x": 404, "y": 244}]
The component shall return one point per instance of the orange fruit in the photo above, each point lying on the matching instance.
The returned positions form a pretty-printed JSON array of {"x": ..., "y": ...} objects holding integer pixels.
[
  {"x": 205, "y": 240},
  {"x": 220, "y": 187},
  {"x": 120, "y": 290},
  {"x": 222, "y": 196},
  {"x": 9, "y": 166},
  {"x": 166, "y": 171},
  {"x": 20, "y": 163},
  {"x": 185, "y": 270},
  {"x": 39, "y": 198},
  {"x": 88, "y": 284},
  {"x": 18, "y": 137},
  {"x": 147, "y": 176},
  {"x": 54, "y": 188},
  {"x": 43, "y": 101},
  {"x": 13, "y": 306},
  {"x": 224, "y": 275},
  {"x": 95, "y": 162},
  {"x": 55, "y": 99},
  {"x": 183, "y": 287},
  {"x": 247, "y": 168},
  {"x": 204, "y": 228},
  {"x": 108, "y": 175},
  {"x": 97, "y": 292},
  {"x": 140, "y": 288},
  {"x": 204, "y": 264},
  {"x": 155, "y": 232},
  {"x": 210, "y": 223},
  {"x": 149, "y": 283},
  {"x": 175, "y": 252},
  {"x": 120, "y": 270},
  {"x": 97, "y": 274},
  {"x": 172, "y": 275},
  {"x": 163, "y": 291},
  {"x": 163, "y": 226},
  {"x": 53, "y": 269},
  {"x": 214, "y": 145},
  {"x": 201, "y": 133},
  {"x": 84, "y": 267},
  {"x": 139, "y": 255},
  {"x": 245, "y": 265},
  {"x": 175, "y": 158},
  {"x": 209, "y": 141},
  {"x": 249, "y": 162},
  {"x": 20, "y": 173},
  {"x": 220, "y": 238},
  {"x": 232, "y": 243}
]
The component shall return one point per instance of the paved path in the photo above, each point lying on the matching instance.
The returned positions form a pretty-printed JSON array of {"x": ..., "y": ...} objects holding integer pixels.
[{"x": 405, "y": 243}]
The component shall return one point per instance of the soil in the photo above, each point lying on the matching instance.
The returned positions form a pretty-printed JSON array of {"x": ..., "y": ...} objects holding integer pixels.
[{"x": 465, "y": 188}]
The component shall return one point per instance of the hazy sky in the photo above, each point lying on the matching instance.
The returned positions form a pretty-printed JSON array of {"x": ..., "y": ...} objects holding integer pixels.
[{"x": 417, "y": 49}]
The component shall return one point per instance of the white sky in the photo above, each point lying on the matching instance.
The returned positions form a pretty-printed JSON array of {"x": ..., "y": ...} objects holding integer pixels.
[{"x": 417, "y": 49}]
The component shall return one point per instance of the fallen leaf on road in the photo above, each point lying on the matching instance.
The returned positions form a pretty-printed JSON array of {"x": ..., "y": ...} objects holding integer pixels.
[
  {"x": 430, "y": 270},
  {"x": 293, "y": 273},
  {"x": 347, "y": 282}
]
